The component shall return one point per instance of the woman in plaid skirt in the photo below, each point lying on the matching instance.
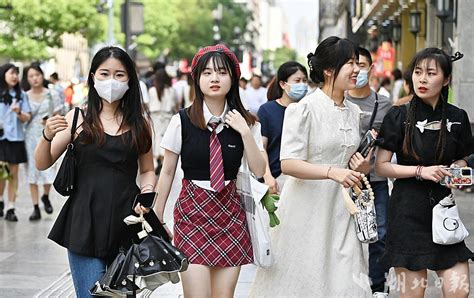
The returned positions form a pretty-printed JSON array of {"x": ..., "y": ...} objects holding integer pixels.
[{"x": 211, "y": 137}]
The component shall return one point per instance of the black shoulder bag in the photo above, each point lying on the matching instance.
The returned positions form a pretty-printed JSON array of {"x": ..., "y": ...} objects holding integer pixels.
[
  {"x": 64, "y": 182},
  {"x": 368, "y": 140}
]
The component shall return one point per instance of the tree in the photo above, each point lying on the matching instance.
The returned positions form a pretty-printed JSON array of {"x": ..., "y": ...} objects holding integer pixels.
[
  {"x": 183, "y": 26},
  {"x": 279, "y": 56},
  {"x": 31, "y": 26}
]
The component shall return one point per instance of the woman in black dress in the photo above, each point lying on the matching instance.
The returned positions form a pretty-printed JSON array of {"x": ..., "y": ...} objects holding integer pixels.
[
  {"x": 112, "y": 142},
  {"x": 428, "y": 134}
]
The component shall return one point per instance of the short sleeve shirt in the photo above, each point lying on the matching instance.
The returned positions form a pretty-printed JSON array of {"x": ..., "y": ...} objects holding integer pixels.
[
  {"x": 13, "y": 128},
  {"x": 459, "y": 141},
  {"x": 271, "y": 115}
]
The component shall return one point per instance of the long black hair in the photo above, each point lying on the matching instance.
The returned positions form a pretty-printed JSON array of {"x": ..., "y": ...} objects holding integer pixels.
[
  {"x": 131, "y": 105},
  {"x": 220, "y": 61},
  {"x": 444, "y": 62},
  {"x": 331, "y": 54},
  {"x": 25, "y": 85},
  {"x": 5, "y": 96},
  {"x": 284, "y": 72},
  {"x": 161, "y": 82}
]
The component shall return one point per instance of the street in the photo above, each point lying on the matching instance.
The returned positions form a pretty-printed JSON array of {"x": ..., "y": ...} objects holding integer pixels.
[{"x": 33, "y": 266}]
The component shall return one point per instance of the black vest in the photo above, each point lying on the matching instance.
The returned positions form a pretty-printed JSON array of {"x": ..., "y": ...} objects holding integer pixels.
[{"x": 195, "y": 150}]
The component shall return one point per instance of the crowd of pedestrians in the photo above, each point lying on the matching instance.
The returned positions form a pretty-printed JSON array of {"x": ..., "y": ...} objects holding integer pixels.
[{"x": 299, "y": 134}]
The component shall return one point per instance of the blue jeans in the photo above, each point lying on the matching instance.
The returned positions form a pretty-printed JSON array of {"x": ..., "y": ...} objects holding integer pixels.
[
  {"x": 376, "y": 250},
  {"x": 85, "y": 272}
]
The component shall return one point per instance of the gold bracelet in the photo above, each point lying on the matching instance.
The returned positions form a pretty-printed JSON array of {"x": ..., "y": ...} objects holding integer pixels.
[{"x": 327, "y": 173}]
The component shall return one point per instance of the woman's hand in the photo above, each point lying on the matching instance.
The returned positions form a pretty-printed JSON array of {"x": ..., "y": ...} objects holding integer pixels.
[
  {"x": 434, "y": 173},
  {"x": 359, "y": 163},
  {"x": 54, "y": 125},
  {"x": 345, "y": 177},
  {"x": 139, "y": 209},
  {"x": 15, "y": 107},
  {"x": 273, "y": 187},
  {"x": 237, "y": 122}
]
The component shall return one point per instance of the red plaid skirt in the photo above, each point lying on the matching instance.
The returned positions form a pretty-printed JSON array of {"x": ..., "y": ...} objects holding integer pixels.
[{"x": 210, "y": 228}]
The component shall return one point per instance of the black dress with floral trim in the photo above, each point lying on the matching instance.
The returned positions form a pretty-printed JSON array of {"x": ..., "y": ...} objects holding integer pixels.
[{"x": 409, "y": 235}]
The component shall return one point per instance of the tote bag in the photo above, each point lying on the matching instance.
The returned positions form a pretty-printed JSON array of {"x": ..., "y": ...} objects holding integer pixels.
[{"x": 258, "y": 221}]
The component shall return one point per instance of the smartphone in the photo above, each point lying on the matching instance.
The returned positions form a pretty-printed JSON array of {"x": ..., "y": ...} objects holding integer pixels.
[
  {"x": 45, "y": 117},
  {"x": 461, "y": 176},
  {"x": 146, "y": 199}
]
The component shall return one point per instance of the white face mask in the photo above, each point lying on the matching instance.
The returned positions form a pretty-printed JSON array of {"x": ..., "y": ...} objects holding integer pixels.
[{"x": 110, "y": 90}]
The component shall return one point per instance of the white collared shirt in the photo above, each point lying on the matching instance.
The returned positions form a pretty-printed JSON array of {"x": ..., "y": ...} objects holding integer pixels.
[{"x": 172, "y": 139}]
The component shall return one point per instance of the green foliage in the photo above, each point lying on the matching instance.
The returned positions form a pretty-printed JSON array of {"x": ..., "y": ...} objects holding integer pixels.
[
  {"x": 31, "y": 26},
  {"x": 280, "y": 56},
  {"x": 181, "y": 27},
  {"x": 174, "y": 27}
]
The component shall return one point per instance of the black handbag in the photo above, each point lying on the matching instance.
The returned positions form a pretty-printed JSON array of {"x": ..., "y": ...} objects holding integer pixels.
[
  {"x": 368, "y": 140},
  {"x": 64, "y": 181},
  {"x": 145, "y": 266}
]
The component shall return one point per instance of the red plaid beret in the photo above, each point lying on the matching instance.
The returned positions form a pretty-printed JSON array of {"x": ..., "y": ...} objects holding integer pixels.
[{"x": 217, "y": 48}]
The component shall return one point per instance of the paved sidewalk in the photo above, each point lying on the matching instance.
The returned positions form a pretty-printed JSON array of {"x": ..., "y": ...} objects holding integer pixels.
[{"x": 33, "y": 266}]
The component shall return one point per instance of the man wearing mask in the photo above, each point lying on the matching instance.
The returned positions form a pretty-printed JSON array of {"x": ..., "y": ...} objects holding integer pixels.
[
  {"x": 365, "y": 98},
  {"x": 255, "y": 94}
]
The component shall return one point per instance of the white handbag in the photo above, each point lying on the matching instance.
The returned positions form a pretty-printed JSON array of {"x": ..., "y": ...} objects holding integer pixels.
[
  {"x": 446, "y": 224},
  {"x": 258, "y": 221}
]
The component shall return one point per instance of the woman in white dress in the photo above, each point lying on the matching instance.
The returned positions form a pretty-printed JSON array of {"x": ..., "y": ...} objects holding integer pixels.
[
  {"x": 44, "y": 103},
  {"x": 316, "y": 247},
  {"x": 162, "y": 106}
]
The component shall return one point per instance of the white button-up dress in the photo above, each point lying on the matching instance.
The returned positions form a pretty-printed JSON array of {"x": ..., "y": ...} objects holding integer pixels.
[{"x": 316, "y": 247}]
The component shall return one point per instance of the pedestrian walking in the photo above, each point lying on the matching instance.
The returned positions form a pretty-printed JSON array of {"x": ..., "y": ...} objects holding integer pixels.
[
  {"x": 44, "y": 103},
  {"x": 14, "y": 112},
  {"x": 385, "y": 87},
  {"x": 255, "y": 94},
  {"x": 317, "y": 250},
  {"x": 397, "y": 84},
  {"x": 289, "y": 86},
  {"x": 162, "y": 106},
  {"x": 427, "y": 135},
  {"x": 56, "y": 85},
  {"x": 211, "y": 137},
  {"x": 407, "y": 89},
  {"x": 370, "y": 102},
  {"x": 112, "y": 142}
]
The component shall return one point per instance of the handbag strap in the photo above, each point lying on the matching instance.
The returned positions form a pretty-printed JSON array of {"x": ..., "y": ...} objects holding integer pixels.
[
  {"x": 374, "y": 112},
  {"x": 74, "y": 123}
]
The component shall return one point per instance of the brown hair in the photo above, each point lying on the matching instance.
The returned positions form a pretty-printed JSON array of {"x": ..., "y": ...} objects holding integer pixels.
[{"x": 220, "y": 61}]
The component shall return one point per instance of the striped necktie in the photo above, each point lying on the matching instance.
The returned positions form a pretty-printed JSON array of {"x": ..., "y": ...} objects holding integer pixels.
[{"x": 216, "y": 161}]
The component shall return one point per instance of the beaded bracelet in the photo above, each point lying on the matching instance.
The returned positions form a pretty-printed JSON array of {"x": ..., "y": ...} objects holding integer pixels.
[{"x": 370, "y": 191}]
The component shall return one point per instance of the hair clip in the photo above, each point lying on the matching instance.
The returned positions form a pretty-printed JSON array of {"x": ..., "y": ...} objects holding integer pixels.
[{"x": 456, "y": 56}]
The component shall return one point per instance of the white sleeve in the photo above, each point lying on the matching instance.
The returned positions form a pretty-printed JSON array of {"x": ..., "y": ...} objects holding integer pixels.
[
  {"x": 257, "y": 135},
  {"x": 172, "y": 139},
  {"x": 144, "y": 92}
]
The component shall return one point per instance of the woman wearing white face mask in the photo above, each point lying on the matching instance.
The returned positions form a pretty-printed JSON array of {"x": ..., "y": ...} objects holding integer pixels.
[
  {"x": 112, "y": 142},
  {"x": 289, "y": 86}
]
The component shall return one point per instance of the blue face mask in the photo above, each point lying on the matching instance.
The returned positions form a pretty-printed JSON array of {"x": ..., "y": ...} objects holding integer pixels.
[
  {"x": 362, "y": 78},
  {"x": 297, "y": 91}
]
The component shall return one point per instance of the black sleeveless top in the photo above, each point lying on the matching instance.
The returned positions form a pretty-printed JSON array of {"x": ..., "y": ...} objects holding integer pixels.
[
  {"x": 91, "y": 221},
  {"x": 195, "y": 150}
]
